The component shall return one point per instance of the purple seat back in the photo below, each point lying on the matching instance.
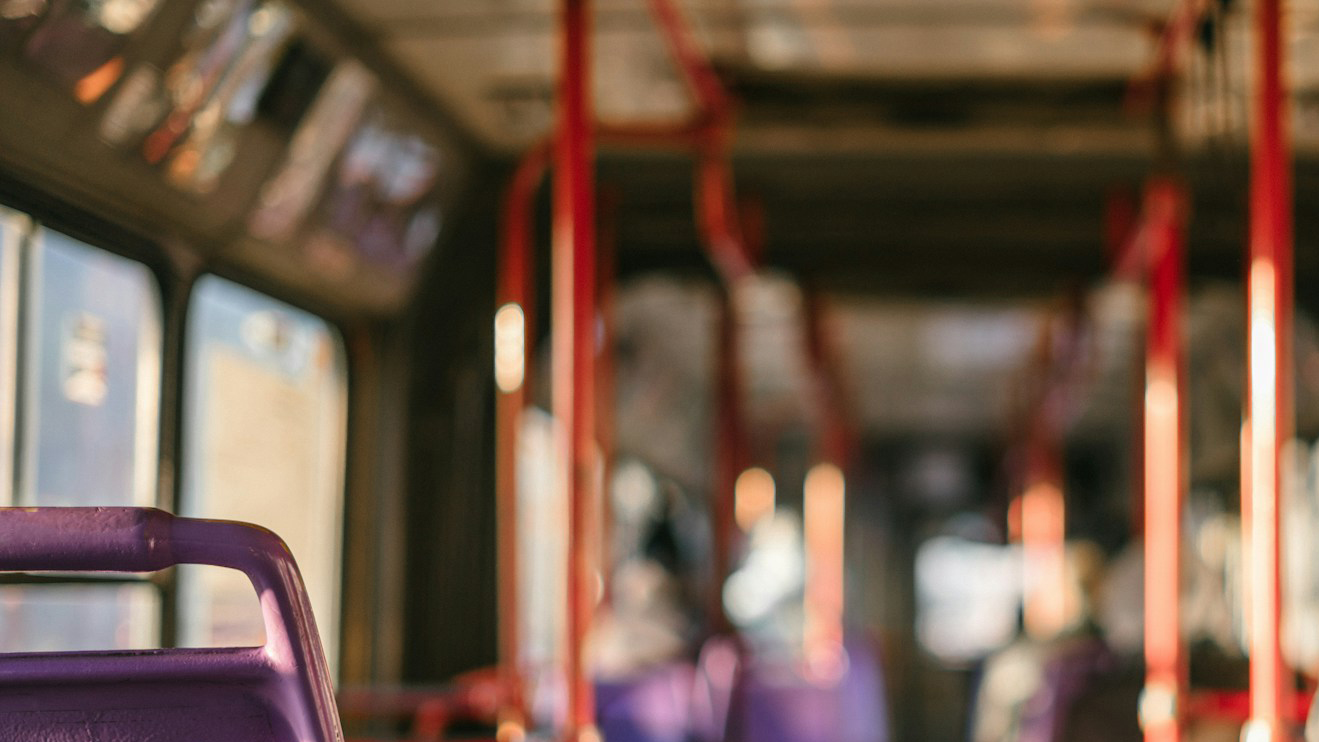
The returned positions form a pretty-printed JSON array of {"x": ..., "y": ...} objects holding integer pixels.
[
  {"x": 279, "y": 692},
  {"x": 654, "y": 706},
  {"x": 774, "y": 703}
]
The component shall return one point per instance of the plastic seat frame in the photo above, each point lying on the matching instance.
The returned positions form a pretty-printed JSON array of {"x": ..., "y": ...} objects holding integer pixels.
[{"x": 278, "y": 692}]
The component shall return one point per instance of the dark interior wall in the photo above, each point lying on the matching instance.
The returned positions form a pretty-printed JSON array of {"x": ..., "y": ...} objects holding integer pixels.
[{"x": 449, "y": 601}]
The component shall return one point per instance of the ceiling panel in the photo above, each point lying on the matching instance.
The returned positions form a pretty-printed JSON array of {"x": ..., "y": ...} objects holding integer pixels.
[{"x": 492, "y": 61}]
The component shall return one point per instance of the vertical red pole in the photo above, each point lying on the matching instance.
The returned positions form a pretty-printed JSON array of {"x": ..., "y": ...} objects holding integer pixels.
[
  {"x": 1268, "y": 409},
  {"x": 574, "y": 344},
  {"x": 1043, "y": 509},
  {"x": 824, "y": 510},
  {"x": 515, "y": 330},
  {"x": 1039, "y": 512},
  {"x": 1164, "y": 463}
]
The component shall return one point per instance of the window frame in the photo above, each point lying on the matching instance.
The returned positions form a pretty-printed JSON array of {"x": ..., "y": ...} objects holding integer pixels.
[{"x": 14, "y": 228}]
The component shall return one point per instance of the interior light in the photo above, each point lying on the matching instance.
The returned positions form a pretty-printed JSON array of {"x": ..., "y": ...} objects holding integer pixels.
[
  {"x": 824, "y": 506},
  {"x": 753, "y": 496},
  {"x": 510, "y": 340}
]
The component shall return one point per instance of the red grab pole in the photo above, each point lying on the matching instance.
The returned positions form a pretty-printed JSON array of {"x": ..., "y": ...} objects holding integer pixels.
[
  {"x": 1162, "y": 702},
  {"x": 719, "y": 223},
  {"x": 824, "y": 507},
  {"x": 1268, "y": 408},
  {"x": 717, "y": 209},
  {"x": 573, "y": 317},
  {"x": 514, "y": 340}
]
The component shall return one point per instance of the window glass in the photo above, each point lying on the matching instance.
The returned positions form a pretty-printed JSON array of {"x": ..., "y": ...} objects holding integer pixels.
[
  {"x": 12, "y": 228},
  {"x": 381, "y": 204},
  {"x": 79, "y": 42},
  {"x": 75, "y": 617},
  {"x": 92, "y": 377},
  {"x": 290, "y": 194},
  {"x": 264, "y": 427},
  {"x": 189, "y": 119}
]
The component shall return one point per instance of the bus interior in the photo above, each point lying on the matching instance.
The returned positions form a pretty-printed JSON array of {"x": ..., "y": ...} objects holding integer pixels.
[{"x": 659, "y": 370}]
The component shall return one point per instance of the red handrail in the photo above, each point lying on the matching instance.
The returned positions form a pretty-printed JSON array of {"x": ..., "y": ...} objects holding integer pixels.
[
  {"x": 1268, "y": 408},
  {"x": 573, "y": 351},
  {"x": 1164, "y": 235},
  {"x": 1037, "y": 515},
  {"x": 515, "y": 294},
  {"x": 717, "y": 209},
  {"x": 825, "y": 504},
  {"x": 573, "y": 311},
  {"x": 1234, "y": 706}
]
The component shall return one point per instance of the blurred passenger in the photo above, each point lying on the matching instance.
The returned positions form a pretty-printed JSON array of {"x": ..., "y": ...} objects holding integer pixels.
[
  {"x": 776, "y": 695},
  {"x": 649, "y": 619},
  {"x": 644, "y": 637},
  {"x": 1029, "y": 688}
]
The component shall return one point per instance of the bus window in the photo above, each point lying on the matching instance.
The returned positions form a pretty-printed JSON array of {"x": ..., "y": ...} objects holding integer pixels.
[
  {"x": 264, "y": 427},
  {"x": 381, "y": 204},
  {"x": 78, "y": 617},
  {"x": 291, "y": 192},
  {"x": 201, "y": 156},
  {"x": 11, "y": 233},
  {"x": 92, "y": 377}
]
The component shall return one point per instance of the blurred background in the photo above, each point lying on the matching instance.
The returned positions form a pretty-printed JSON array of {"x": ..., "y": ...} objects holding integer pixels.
[{"x": 249, "y": 259}]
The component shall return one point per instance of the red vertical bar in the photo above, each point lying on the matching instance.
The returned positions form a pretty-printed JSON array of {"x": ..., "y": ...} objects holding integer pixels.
[
  {"x": 574, "y": 343},
  {"x": 1164, "y": 463},
  {"x": 1269, "y": 400},
  {"x": 1043, "y": 509},
  {"x": 1039, "y": 512},
  {"x": 824, "y": 508},
  {"x": 515, "y": 293},
  {"x": 689, "y": 59}
]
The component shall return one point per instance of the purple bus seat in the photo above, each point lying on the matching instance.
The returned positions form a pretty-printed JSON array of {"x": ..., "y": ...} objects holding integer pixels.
[
  {"x": 279, "y": 692},
  {"x": 718, "y": 667},
  {"x": 654, "y": 706},
  {"x": 774, "y": 703}
]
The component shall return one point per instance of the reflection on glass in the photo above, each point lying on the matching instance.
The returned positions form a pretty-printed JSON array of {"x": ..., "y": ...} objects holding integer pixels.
[
  {"x": 264, "y": 426},
  {"x": 17, "y": 17},
  {"x": 189, "y": 118},
  {"x": 12, "y": 229},
  {"x": 211, "y": 144},
  {"x": 79, "y": 42},
  {"x": 92, "y": 369},
  {"x": 290, "y": 194},
  {"x": 78, "y": 617},
  {"x": 380, "y": 206}
]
